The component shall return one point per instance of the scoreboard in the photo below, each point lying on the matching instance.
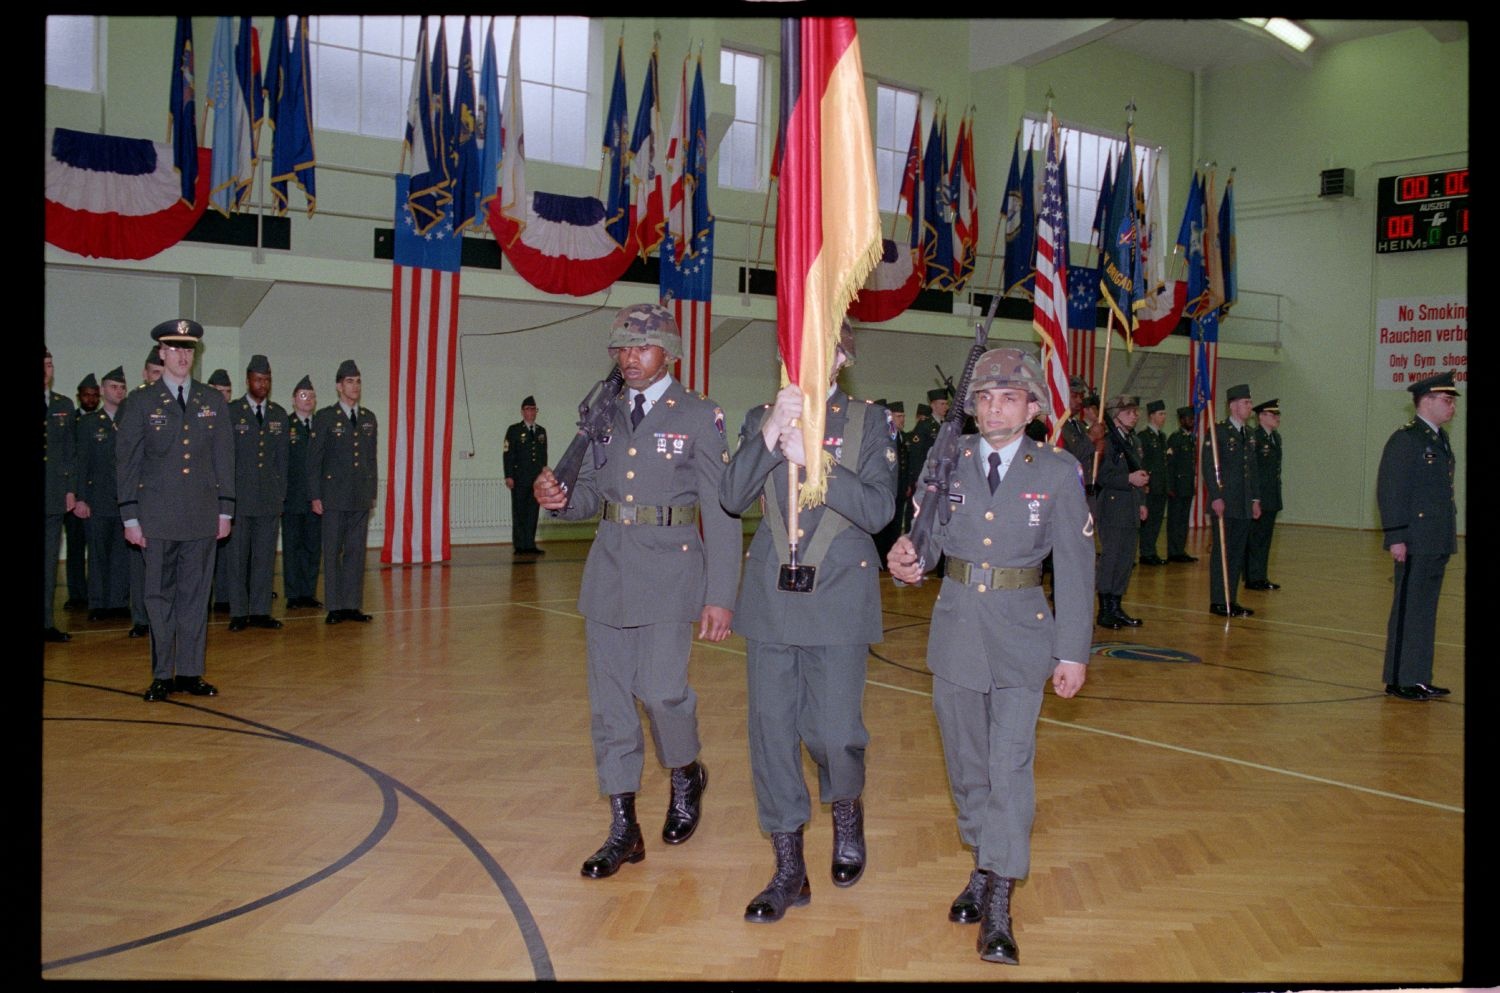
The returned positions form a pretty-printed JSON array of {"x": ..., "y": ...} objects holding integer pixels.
[{"x": 1422, "y": 211}]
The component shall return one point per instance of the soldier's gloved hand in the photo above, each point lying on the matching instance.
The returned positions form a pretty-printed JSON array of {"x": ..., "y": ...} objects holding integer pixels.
[
  {"x": 548, "y": 491},
  {"x": 784, "y": 413}
]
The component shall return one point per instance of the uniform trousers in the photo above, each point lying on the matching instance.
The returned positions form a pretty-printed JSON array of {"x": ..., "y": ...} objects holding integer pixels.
[
  {"x": 1117, "y": 558},
  {"x": 137, "y": 561},
  {"x": 177, "y": 580},
  {"x": 78, "y": 579},
  {"x": 523, "y": 515},
  {"x": 109, "y": 565},
  {"x": 648, "y": 663},
  {"x": 344, "y": 534},
  {"x": 52, "y": 531},
  {"x": 221, "y": 571},
  {"x": 1179, "y": 514},
  {"x": 301, "y": 548},
  {"x": 1156, "y": 510},
  {"x": 989, "y": 744},
  {"x": 1412, "y": 629},
  {"x": 805, "y": 695},
  {"x": 1237, "y": 534},
  {"x": 251, "y": 551},
  {"x": 1258, "y": 548}
]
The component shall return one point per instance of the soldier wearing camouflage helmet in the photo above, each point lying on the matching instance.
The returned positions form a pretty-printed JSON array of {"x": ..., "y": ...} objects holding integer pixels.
[
  {"x": 649, "y": 577},
  {"x": 994, "y": 642}
]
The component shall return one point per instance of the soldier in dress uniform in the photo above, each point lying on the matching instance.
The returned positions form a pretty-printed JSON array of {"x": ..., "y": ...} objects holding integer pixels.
[
  {"x": 1182, "y": 448},
  {"x": 1154, "y": 460},
  {"x": 342, "y": 474},
  {"x": 994, "y": 643},
  {"x": 1234, "y": 494},
  {"x": 73, "y": 526},
  {"x": 260, "y": 469},
  {"x": 219, "y": 380},
  {"x": 525, "y": 456},
  {"x": 140, "y": 626},
  {"x": 59, "y": 463},
  {"x": 925, "y": 432},
  {"x": 98, "y": 503},
  {"x": 174, "y": 461},
  {"x": 649, "y": 577},
  {"x": 1266, "y": 437},
  {"x": 1414, "y": 488},
  {"x": 1120, "y": 509},
  {"x": 151, "y": 369},
  {"x": 888, "y": 534},
  {"x": 1076, "y": 437},
  {"x": 806, "y": 651},
  {"x": 301, "y": 529}
]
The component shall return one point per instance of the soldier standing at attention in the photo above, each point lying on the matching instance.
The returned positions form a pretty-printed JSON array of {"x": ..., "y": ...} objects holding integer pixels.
[
  {"x": 1181, "y": 478},
  {"x": 1267, "y": 440},
  {"x": 341, "y": 479},
  {"x": 98, "y": 504},
  {"x": 260, "y": 467},
  {"x": 175, "y": 506},
  {"x": 59, "y": 462},
  {"x": 151, "y": 369},
  {"x": 1076, "y": 437},
  {"x": 925, "y": 432},
  {"x": 806, "y": 651},
  {"x": 649, "y": 577},
  {"x": 994, "y": 643},
  {"x": 73, "y": 526},
  {"x": 1121, "y": 482},
  {"x": 1234, "y": 494},
  {"x": 525, "y": 456},
  {"x": 1154, "y": 460},
  {"x": 1415, "y": 490},
  {"x": 139, "y": 625},
  {"x": 301, "y": 530}
]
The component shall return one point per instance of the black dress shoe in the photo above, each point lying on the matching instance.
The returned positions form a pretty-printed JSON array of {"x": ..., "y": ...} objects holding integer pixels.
[
  {"x": 1120, "y": 615},
  {"x": 239, "y": 623},
  {"x": 1262, "y": 584},
  {"x": 1239, "y": 611},
  {"x": 75, "y": 603},
  {"x": 139, "y": 630},
  {"x": 53, "y": 634},
  {"x": 355, "y": 615},
  {"x": 196, "y": 686},
  {"x": 789, "y": 887},
  {"x": 538, "y": 551},
  {"x": 848, "y": 841},
  {"x": 264, "y": 621},
  {"x": 1407, "y": 692},
  {"x": 313, "y": 602},
  {"x": 997, "y": 939},
  {"x": 1184, "y": 557},
  {"x": 685, "y": 806},
  {"x": 624, "y": 843},
  {"x": 1431, "y": 690},
  {"x": 966, "y": 909},
  {"x": 334, "y": 617},
  {"x": 158, "y": 690},
  {"x": 222, "y": 606},
  {"x": 1153, "y": 560}
]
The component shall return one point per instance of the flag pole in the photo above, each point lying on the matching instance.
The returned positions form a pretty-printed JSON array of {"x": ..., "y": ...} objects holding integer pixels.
[
  {"x": 1213, "y": 441},
  {"x": 760, "y": 244},
  {"x": 1000, "y": 222},
  {"x": 1109, "y": 340}
]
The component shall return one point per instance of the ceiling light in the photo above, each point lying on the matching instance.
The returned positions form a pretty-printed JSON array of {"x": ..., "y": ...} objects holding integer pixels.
[{"x": 1283, "y": 30}]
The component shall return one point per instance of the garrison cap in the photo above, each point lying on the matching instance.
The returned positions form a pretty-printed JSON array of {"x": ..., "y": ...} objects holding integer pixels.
[
  {"x": 153, "y": 357},
  {"x": 219, "y": 378},
  {"x": 88, "y": 383},
  {"x": 940, "y": 394},
  {"x": 896, "y": 407},
  {"x": 1443, "y": 382},
  {"x": 115, "y": 375},
  {"x": 1269, "y": 407},
  {"x": 347, "y": 368},
  {"x": 305, "y": 383},
  {"x": 923, "y": 410},
  {"x": 1184, "y": 412},
  {"x": 646, "y": 324},
  {"x": 1156, "y": 405},
  {"x": 1006, "y": 367},
  {"x": 258, "y": 363},
  {"x": 530, "y": 401},
  {"x": 1122, "y": 401},
  {"x": 1240, "y": 392},
  {"x": 178, "y": 331}
]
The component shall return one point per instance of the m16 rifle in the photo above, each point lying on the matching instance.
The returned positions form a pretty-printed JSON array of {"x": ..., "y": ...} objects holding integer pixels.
[{"x": 596, "y": 415}]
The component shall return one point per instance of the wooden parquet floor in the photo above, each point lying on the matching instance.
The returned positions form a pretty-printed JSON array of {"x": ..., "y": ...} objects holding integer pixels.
[{"x": 412, "y": 798}]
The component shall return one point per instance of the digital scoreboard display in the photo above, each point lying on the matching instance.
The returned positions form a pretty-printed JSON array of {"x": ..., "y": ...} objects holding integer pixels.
[{"x": 1422, "y": 211}]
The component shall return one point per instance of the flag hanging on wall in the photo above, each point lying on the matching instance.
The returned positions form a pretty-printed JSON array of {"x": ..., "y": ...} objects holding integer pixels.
[
  {"x": 937, "y": 226},
  {"x": 895, "y": 282},
  {"x": 687, "y": 274},
  {"x": 647, "y": 164},
  {"x": 963, "y": 185},
  {"x": 230, "y": 107}
]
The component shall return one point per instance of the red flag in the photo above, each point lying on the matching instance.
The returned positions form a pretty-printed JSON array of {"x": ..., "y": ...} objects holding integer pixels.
[
  {"x": 1050, "y": 299},
  {"x": 827, "y": 215}
]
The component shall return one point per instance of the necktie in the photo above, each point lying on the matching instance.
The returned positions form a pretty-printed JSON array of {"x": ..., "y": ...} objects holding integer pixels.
[
  {"x": 258, "y": 418},
  {"x": 352, "y": 422},
  {"x": 639, "y": 412},
  {"x": 181, "y": 400},
  {"x": 994, "y": 471}
]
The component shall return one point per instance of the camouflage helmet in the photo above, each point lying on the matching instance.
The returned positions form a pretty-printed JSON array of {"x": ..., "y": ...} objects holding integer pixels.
[
  {"x": 646, "y": 324},
  {"x": 1006, "y": 367}
]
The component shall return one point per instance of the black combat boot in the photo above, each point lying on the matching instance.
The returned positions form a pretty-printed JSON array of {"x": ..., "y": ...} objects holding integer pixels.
[
  {"x": 967, "y": 906},
  {"x": 624, "y": 843},
  {"x": 789, "y": 887},
  {"x": 1106, "y": 617},
  {"x": 685, "y": 806},
  {"x": 1126, "y": 619},
  {"x": 997, "y": 941},
  {"x": 848, "y": 841}
]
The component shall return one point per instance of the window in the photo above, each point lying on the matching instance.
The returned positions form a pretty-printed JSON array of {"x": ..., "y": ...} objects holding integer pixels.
[
  {"x": 739, "y": 153},
  {"x": 895, "y": 110},
  {"x": 73, "y": 53},
  {"x": 1086, "y": 154},
  {"x": 362, "y": 69}
]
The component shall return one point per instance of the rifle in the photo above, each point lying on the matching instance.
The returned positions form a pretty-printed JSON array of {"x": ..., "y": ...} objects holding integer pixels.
[
  {"x": 596, "y": 416},
  {"x": 943, "y": 459}
]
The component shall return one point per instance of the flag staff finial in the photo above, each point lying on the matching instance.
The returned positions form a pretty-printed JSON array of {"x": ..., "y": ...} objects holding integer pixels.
[
  {"x": 1050, "y": 95},
  {"x": 1130, "y": 109}
]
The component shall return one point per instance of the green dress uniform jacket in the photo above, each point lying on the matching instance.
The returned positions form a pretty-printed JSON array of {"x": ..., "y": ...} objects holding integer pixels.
[
  {"x": 301, "y": 530},
  {"x": 260, "y": 482},
  {"x": 1154, "y": 460},
  {"x": 59, "y": 465},
  {"x": 1238, "y": 485},
  {"x": 525, "y": 455},
  {"x": 1119, "y": 510},
  {"x": 343, "y": 471},
  {"x": 109, "y": 564},
  {"x": 1179, "y": 485},
  {"x": 1268, "y": 467}
]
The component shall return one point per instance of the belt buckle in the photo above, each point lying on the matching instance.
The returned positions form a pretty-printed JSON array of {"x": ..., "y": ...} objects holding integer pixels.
[
  {"x": 626, "y": 513},
  {"x": 968, "y": 572}
]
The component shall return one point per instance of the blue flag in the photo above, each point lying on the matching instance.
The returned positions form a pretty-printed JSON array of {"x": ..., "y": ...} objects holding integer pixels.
[
  {"x": 466, "y": 183},
  {"x": 487, "y": 120},
  {"x": 292, "y": 155},
  {"x": 1018, "y": 250},
  {"x": 1121, "y": 281},
  {"x": 231, "y": 119},
  {"x": 182, "y": 110},
  {"x": 616, "y": 144},
  {"x": 427, "y": 166},
  {"x": 937, "y": 234},
  {"x": 1192, "y": 214},
  {"x": 1102, "y": 205},
  {"x": 692, "y": 279}
]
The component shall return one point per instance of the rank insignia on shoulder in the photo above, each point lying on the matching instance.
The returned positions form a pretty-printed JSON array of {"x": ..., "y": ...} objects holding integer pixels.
[{"x": 670, "y": 402}]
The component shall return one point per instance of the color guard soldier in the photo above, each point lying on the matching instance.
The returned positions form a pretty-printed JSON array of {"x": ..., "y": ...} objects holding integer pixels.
[
  {"x": 260, "y": 468},
  {"x": 1266, "y": 437},
  {"x": 59, "y": 463},
  {"x": 1182, "y": 449},
  {"x": 98, "y": 504},
  {"x": 73, "y": 526},
  {"x": 525, "y": 456},
  {"x": 1414, "y": 488},
  {"x": 649, "y": 576},
  {"x": 806, "y": 651},
  {"x": 301, "y": 529},
  {"x": 342, "y": 473},
  {"x": 1234, "y": 495},
  {"x": 1121, "y": 482},
  {"x": 175, "y": 475},
  {"x": 1154, "y": 460},
  {"x": 994, "y": 643}
]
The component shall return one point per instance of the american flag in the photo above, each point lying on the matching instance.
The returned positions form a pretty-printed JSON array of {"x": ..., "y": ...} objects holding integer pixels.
[
  {"x": 687, "y": 251},
  {"x": 1050, "y": 310}
]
